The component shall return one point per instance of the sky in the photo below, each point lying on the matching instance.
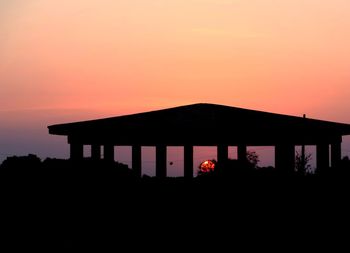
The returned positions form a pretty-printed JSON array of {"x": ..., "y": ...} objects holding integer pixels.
[{"x": 69, "y": 60}]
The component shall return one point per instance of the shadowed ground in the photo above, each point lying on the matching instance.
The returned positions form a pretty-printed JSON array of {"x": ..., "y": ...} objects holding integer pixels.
[{"x": 57, "y": 204}]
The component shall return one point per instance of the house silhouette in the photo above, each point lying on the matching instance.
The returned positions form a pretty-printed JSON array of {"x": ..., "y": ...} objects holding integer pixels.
[{"x": 205, "y": 125}]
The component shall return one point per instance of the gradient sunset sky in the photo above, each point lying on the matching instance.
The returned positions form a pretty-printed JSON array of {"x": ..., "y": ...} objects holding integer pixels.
[{"x": 66, "y": 60}]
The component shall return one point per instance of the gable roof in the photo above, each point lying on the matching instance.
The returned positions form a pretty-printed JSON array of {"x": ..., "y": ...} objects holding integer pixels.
[{"x": 195, "y": 123}]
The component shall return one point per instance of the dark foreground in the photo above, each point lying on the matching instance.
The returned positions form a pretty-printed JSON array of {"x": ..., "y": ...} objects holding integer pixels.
[{"x": 74, "y": 208}]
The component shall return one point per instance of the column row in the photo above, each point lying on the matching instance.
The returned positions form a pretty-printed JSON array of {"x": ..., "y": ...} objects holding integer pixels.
[
  {"x": 284, "y": 156},
  {"x": 76, "y": 153}
]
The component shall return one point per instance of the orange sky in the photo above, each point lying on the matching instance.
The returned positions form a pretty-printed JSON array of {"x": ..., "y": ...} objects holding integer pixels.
[{"x": 114, "y": 57}]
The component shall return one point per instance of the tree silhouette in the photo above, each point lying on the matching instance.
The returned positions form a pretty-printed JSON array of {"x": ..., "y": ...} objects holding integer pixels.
[
  {"x": 302, "y": 164},
  {"x": 253, "y": 158}
]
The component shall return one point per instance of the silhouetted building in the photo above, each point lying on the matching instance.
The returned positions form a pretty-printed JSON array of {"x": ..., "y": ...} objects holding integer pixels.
[{"x": 205, "y": 125}]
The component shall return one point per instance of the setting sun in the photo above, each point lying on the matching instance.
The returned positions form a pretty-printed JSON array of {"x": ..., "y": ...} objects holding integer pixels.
[{"x": 207, "y": 167}]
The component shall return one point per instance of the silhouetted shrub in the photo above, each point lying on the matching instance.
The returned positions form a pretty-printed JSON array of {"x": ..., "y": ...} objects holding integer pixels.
[
  {"x": 21, "y": 162},
  {"x": 252, "y": 158},
  {"x": 234, "y": 168},
  {"x": 302, "y": 164}
]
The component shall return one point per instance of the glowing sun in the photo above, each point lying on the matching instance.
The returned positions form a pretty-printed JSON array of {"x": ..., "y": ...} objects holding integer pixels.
[{"x": 207, "y": 166}]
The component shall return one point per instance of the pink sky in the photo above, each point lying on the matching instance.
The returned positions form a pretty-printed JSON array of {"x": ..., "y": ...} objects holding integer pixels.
[{"x": 69, "y": 60}]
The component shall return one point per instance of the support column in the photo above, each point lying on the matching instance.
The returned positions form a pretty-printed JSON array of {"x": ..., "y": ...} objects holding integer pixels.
[
  {"x": 76, "y": 151},
  {"x": 285, "y": 157},
  {"x": 222, "y": 153},
  {"x": 242, "y": 153},
  {"x": 136, "y": 159},
  {"x": 336, "y": 154},
  {"x": 322, "y": 156},
  {"x": 108, "y": 152},
  {"x": 161, "y": 161},
  {"x": 96, "y": 152},
  {"x": 188, "y": 161}
]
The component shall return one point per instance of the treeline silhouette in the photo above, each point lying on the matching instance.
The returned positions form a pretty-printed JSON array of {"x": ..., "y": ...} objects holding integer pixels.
[
  {"x": 61, "y": 204},
  {"x": 66, "y": 177}
]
